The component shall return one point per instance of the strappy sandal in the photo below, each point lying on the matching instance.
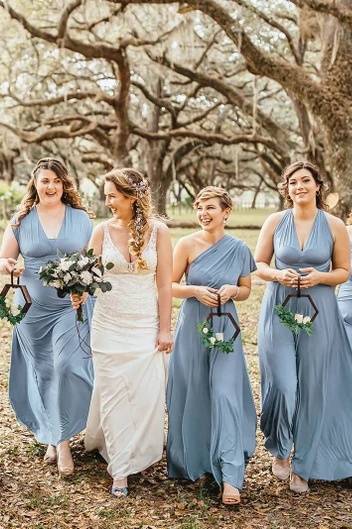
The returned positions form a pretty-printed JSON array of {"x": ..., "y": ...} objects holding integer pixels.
[
  {"x": 231, "y": 498},
  {"x": 300, "y": 486},
  {"x": 119, "y": 492},
  {"x": 280, "y": 470},
  {"x": 50, "y": 455}
]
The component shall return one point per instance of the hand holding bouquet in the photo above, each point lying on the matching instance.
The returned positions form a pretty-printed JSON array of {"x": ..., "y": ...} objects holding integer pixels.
[{"x": 76, "y": 273}]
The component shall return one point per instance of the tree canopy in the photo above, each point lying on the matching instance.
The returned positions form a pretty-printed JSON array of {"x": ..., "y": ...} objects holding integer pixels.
[{"x": 224, "y": 91}]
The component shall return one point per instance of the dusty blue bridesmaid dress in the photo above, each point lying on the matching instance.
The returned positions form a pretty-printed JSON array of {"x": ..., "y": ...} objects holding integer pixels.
[
  {"x": 212, "y": 419},
  {"x": 50, "y": 376},
  {"x": 344, "y": 298},
  {"x": 306, "y": 381}
]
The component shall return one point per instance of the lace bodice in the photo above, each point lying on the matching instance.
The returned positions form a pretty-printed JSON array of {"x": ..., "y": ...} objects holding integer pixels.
[
  {"x": 112, "y": 254},
  {"x": 133, "y": 292}
]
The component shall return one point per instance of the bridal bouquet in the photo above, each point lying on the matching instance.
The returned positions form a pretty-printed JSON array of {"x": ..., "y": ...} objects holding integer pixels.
[
  {"x": 295, "y": 322},
  {"x": 76, "y": 273}
]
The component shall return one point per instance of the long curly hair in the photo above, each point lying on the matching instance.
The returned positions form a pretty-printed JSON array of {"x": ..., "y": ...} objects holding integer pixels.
[
  {"x": 132, "y": 184},
  {"x": 70, "y": 194},
  {"x": 314, "y": 171}
]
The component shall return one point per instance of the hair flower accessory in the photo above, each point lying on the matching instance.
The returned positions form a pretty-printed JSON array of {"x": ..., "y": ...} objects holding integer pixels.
[{"x": 140, "y": 187}]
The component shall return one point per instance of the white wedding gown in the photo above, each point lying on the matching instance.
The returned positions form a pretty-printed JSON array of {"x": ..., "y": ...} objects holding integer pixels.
[{"x": 126, "y": 417}]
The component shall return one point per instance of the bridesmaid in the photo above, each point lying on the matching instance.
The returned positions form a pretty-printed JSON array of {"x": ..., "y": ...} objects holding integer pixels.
[
  {"x": 306, "y": 381},
  {"x": 50, "y": 376},
  {"x": 344, "y": 296},
  {"x": 212, "y": 418}
]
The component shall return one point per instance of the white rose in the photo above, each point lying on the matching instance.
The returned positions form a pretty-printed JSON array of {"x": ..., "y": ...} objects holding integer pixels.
[
  {"x": 83, "y": 262},
  {"x": 299, "y": 318},
  {"x": 65, "y": 265},
  {"x": 219, "y": 336},
  {"x": 86, "y": 277},
  {"x": 306, "y": 319},
  {"x": 212, "y": 340},
  {"x": 205, "y": 330},
  {"x": 96, "y": 271}
]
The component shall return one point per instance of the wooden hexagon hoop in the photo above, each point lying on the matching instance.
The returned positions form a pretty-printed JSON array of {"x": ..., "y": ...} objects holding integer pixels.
[
  {"x": 299, "y": 294},
  {"x": 219, "y": 314},
  {"x": 24, "y": 292}
]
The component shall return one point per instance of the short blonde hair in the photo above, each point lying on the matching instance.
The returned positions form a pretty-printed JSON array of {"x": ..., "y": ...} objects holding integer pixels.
[{"x": 214, "y": 192}]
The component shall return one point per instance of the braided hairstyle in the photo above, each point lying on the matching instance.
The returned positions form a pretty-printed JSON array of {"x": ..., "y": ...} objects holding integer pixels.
[
  {"x": 70, "y": 194},
  {"x": 132, "y": 184},
  {"x": 314, "y": 171}
]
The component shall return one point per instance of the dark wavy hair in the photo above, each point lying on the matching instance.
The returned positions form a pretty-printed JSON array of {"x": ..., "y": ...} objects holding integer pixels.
[
  {"x": 314, "y": 171},
  {"x": 70, "y": 194}
]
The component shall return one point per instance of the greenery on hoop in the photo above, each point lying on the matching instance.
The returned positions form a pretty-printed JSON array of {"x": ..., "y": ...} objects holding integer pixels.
[
  {"x": 214, "y": 340},
  {"x": 295, "y": 322},
  {"x": 7, "y": 314}
]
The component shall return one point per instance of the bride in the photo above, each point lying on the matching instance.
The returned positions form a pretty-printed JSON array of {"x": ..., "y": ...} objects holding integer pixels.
[{"x": 130, "y": 331}]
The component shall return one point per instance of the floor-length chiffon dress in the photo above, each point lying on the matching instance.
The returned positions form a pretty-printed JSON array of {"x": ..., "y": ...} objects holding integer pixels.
[
  {"x": 344, "y": 298},
  {"x": 51, "y": 377},
  {"x": 306, "y": 381},
  {"x": 212, "y": 418}
]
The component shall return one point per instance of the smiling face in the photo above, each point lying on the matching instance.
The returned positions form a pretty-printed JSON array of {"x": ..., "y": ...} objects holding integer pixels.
[
  {"x": 302, "y": 188},
  {"x": 117, "y": 202},
  {"x": 210, "y": 214},
  {"x": 49, "y": 187}
]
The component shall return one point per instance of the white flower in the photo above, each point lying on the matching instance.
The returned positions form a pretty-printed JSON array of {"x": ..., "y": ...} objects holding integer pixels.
[
  {"x": 306, "y": 319},
  {"x": 96, "y": 271},
  {"x": 212, "y": 340},
  {"x": 86, "y": 277},
  {"x": 83, "y": 262},
  {"x": 205, "y": 330},
  {"x": 219, "y": 336},
  {"x": 65, "y": 265},
  {"x": 67, "y": 277},
  {"x": 299, "y": 318}
]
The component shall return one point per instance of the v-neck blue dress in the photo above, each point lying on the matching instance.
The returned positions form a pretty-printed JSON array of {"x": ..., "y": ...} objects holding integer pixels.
[
  {"x": 344, "y": 298},
  {"x": 306, "y": 380},
  {"x": 212, "y": 418},
  {"x": 50, "y": 376}
]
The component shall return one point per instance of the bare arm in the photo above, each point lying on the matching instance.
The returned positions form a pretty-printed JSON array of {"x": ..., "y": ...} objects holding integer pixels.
[
  {"x": 9, "y": 253},
  {"x": 96, "y": 241},
  {"x": 204, "y": 294},
  {"x": 163, "y": 278}
]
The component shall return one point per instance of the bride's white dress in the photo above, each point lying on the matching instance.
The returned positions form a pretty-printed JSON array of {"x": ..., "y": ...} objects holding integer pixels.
[{"x": 126, "y": 417}]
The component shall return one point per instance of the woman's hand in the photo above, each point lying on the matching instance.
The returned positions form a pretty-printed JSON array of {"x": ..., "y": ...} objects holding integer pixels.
[
  {"x": 206, "y": 295},
  {"x": 164, "y": 342},
  {"x": 228, "y": 292},
  {"x": 9, "y": 265},
  {"x": 78, "y": 299},
  {"x": 312, "y": 277},
  {"x": 287, "y": 277}
]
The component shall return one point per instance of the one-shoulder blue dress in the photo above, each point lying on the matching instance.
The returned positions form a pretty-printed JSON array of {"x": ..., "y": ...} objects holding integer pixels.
[
  {"x": 51, "y": 376},
  {"x": 212, "y": 418},
  {"x": 306, "y": 381}
]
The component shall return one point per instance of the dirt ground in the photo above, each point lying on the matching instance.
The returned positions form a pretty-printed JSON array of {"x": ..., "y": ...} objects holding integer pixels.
[{"x": 33, "y": 497}]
